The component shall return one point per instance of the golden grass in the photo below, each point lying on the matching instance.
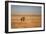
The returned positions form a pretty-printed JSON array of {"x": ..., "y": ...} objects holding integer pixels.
[{"x": 29, "y": 22}]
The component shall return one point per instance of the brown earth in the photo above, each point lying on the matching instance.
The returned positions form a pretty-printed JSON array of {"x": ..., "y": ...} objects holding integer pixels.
[{"x": 29, "y": 21}]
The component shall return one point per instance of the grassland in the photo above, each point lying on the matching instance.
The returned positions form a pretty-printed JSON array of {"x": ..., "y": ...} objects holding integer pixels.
[{"x": 31, "y": 21}]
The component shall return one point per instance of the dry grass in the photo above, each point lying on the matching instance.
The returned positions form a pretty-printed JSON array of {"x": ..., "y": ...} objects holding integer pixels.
[{"x": 29, "y": 22}]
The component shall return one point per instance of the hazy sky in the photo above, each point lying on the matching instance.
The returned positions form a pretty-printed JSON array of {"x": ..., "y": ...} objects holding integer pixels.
[{"x": 25, "y": 10}]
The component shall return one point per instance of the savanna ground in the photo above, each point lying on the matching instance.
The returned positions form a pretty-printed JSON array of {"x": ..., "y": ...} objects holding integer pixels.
[{"x": 30, "y": 21}]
